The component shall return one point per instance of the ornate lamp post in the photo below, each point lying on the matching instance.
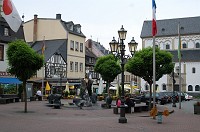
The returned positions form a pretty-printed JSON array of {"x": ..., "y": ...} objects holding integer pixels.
[
  {"x": 119, "y": 50},
  {"x": 173, "y": 84}
]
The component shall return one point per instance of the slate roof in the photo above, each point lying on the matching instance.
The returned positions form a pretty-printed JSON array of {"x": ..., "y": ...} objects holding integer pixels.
[
  {"x": 192, "y": 55},
  {"x": 12, "y": 35},
  {"x": 51, "y": 47},
  {"x": 169, "y": 27},
  {"x": 89, "y": 53}
]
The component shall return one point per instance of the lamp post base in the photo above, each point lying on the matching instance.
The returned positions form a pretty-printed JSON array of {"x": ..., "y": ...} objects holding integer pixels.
[
  {"x": 122, "y": 118},
  {"x": 173, "y": 105}
]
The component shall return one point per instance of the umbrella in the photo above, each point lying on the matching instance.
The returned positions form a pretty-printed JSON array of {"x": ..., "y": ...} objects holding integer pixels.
[{"x": 47, "y": 88}]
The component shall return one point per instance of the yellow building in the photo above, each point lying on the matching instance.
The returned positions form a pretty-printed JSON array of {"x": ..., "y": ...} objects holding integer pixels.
[{"x": 64, "y": 49}]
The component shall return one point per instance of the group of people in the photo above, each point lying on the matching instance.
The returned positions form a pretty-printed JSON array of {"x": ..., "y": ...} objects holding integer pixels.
[{"x": 127, "y": 102}]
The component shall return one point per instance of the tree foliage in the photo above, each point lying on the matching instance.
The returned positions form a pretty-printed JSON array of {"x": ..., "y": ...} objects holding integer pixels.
[
  {"x": 142, "y": 64},
  {"x": 23, "y": 62},
  {"x": 109, "y": 67}
]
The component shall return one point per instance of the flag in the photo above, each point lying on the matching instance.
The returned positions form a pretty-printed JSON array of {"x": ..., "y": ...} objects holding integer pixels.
[
  {"x": 11, "y": 15},
  {"x": 179, "y": 43},
  {"x": 154, "y": 26},
  {"x": 43, "y": 46}
]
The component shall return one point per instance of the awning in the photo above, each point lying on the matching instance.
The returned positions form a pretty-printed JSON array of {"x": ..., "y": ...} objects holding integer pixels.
[{"x": 10, "y": 81}]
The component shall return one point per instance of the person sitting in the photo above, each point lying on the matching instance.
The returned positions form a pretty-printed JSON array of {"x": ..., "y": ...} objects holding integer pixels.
[
  {"x": 39, "y": 95},
  {"x": 118, "y": 102},
  {"x": 129, "y": 103}
]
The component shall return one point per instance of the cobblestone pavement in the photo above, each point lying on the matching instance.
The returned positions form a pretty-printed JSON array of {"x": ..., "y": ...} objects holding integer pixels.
[{"x": 42, "y": 118}]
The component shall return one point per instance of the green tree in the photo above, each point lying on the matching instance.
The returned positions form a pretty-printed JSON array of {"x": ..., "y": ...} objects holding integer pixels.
[
  {"x": 23, "y": 62},
  {"x": 109, "y": 67},
  {"x": 142, "y": 65}
]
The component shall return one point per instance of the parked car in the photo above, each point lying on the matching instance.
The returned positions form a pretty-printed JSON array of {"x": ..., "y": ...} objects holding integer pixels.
[
  {"x": 188, "y": 97},
  {"x": 160, "y": 97},
  {"x": 182, "y": 95},
  {"x": 170, "y": 96}
]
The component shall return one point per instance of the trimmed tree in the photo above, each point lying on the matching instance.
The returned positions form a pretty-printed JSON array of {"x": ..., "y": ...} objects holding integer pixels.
[
  {"x": 23, "y": 63},
  {"x": 141, "y": 65},
  {"x": 109, "y": 67}
]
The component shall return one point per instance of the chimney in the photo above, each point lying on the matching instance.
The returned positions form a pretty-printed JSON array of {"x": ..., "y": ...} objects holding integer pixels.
[
  {"x": 58, "y": 16},
  {"x": 35, "y": 28}
]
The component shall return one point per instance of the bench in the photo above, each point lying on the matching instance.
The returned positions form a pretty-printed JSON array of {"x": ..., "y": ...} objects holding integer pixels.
[
  {"x": 9, "y": 98},
  {"x": 140, "y": 108},
  {"x": 116, "y": 109},
  {"x": 4, "y": 100}
]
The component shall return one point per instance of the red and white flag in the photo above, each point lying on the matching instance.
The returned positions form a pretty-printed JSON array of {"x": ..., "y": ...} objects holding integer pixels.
[
  {"x": 11, "y": 15},
  {"x": 154, "y": 25}
]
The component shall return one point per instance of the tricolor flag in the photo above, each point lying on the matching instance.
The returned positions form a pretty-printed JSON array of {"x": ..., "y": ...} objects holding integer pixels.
[
  {"x": 154, "y": 26},
  {"x": 11, "y": 15}
]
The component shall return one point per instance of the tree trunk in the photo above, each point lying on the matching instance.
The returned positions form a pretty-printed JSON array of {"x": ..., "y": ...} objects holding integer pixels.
[{"x": 25, "y": 96}]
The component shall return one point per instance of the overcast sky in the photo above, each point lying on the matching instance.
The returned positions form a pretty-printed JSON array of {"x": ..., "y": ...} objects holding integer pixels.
[{"x": 101, "y": 19}]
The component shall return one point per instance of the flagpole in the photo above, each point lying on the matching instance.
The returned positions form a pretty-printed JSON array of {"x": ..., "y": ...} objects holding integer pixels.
[
  {"x": 179, "y": 58},
  {"x": 154, "y": 73},
  {"x": 43, "y": 49}
]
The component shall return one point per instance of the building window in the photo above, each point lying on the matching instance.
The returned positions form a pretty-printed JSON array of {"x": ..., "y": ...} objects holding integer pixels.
[
  {"x": 81, "y": 67},
  {"x": 156, "y": 87},
  {"x": 78, "y": 29},
  {"x": 190, "y": 88},
  {"x": 164, "y": 87},
  {"x": 6, "y": 32},
  {"x": 81, "y": 47},
  {"x": 1, "y": 52},
  {"x": 72, "y": 45},
  {"x": 167, "y": 46},
  {"x": 76, "y": 66},
  {"x": 193, "y": 70},
  {"x": 197, "y": 45},
  {"x": 156, "y": 46},
  {"x": 71, "y": 66},
  {"x": 76, "y": 46},
  {"x": 197, "y": 88},
  {"x": 184, "y": 45},
  {"x": 146, "y": 87}
]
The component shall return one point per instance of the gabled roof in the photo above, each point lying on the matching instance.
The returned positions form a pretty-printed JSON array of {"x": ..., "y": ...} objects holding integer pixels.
[
  {"x": 169, "y": 27},
  {"x": 51, "y": 47},
  {"x": 89, "y": 53},
  {"x": 187, "y": 55}
]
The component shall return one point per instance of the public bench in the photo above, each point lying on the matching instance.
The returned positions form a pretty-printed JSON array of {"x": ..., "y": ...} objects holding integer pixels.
[
  {"x": 4, "y": 100},
  {"x": 141, "y": 107},
  {"x": 9, "y": 98},
  {"x": 116, "y": 109}
]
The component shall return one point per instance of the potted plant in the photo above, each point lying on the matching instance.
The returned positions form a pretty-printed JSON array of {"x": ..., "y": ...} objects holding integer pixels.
[{"x": 197, "y": 107}]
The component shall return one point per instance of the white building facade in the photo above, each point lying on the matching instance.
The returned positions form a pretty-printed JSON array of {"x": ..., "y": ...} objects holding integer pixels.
[{"x": 167, "y": 39}]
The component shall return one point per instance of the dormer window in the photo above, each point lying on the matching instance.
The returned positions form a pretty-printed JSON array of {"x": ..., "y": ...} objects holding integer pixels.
[
  {"x": 78, "y": 29},
  {"x": 6, "y": 32},
  {"x": 71, "y": 27}
]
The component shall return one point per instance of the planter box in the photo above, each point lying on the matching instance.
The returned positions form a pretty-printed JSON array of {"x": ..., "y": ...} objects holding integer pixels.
[{"x": 197, "y": 109}]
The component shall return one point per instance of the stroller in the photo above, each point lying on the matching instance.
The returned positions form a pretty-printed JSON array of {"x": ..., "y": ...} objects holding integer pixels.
[{"x": 84, "y": 101}]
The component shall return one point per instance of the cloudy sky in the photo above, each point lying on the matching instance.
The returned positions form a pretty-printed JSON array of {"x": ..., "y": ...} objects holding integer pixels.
[{"x": 101, "y": 19}]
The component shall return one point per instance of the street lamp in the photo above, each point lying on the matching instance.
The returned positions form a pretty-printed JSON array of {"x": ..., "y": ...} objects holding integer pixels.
[
  {"x": 119, "y": 50},
  {"x": 173, "y": 83}
]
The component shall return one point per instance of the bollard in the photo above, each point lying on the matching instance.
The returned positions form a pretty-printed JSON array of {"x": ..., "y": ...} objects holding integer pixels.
[{"x": 159, "y": 119}]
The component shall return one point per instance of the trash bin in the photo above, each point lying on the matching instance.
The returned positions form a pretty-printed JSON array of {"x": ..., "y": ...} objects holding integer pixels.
[{"x": 159, "y": 118}]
